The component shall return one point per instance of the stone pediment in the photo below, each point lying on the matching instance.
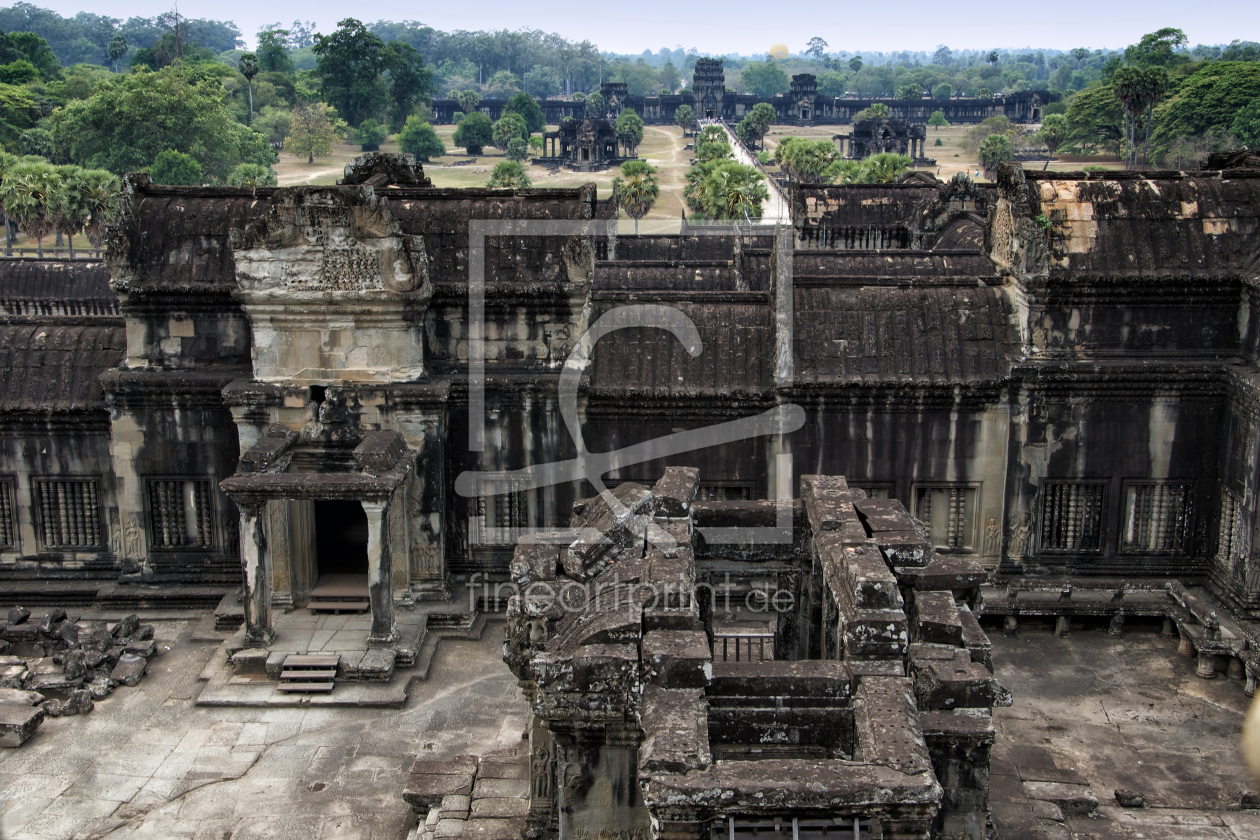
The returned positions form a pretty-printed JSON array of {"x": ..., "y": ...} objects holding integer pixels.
[{"x": 332, "y": 242}]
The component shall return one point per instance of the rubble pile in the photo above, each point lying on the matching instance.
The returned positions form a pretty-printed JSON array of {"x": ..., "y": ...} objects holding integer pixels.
[{"x": 59, "y": 665}]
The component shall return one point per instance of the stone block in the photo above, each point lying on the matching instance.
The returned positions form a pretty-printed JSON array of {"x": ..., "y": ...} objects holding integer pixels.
[
  {"x": 75, "y": 664},
  {"x": 125, "y": 628},
  {"x": 424, "y": 791},
  {"x": 139, "y": 648},
  {"x": 872, "y": 634},
  {"x": 129, "y": 670},
  {"x": 18, "y": 615},
  {"x": 534, "y": 559},
  {"x": 251, "y": 661},
  {"x": 100, "y": 687},
  {"x": 275, "y": 663},
  {"x": 1075, "y": 800},
  {"x": 18, "y": 723},
  {"x": 143, "y": 633},
  {"x": 675, "y": 491},
  {"x": 18, "y": 697},
  {"x": 956, "y": 684},
  {"x": 490, "y": 769},
  {"x": 377, "y": 665},
  {"x": 937, "y": 617},
  {"x": 12, "y": 676},
  {"x": 78, "y": 703},
  {"x": 16, "y": 633},
  {"x": 677, "y": 659},
  {"x": 675, "y": 724},
  {"x": 499, "y": 808},
  {"x": 490, "y": 788},
  {"x": 487, "y": 829},
  {"x": 455, "y": 806}
]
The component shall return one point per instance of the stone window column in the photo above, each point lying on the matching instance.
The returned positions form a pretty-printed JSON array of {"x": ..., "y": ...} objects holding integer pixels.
[
  {"x": 380, "y": 574},
  {"x": 257, "y": 575}
]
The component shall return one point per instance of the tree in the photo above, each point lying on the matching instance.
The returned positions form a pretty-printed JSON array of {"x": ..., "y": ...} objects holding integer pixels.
[
  {"x": 116, "y": 49},
  {"x": 124, "y": 125},
  {"x": 807, "y": 160},
  {"x": 252, "y": 175},
  {"x": 1158, "y": 49},
  {"x": 995, "y": 149},
  {"x": 517, "y": 149},
  {"x": 595, "y": 105},
  {"x": 631, "y": 123},
  {"x": 172, "y": 167},
  {"x": 636, "y": 189},
  {"x": 711, "y": 144},
  {"x": 69, "y": 213},
  {"x": 855, "y": 63},
  {"x": 669, "y": 77},
  {"x": 992, "y": 57},
  {"x": 510, "y": 127},
  {"x": 311, "y": 131},
  {"x": 1246, "y": 125},
  {"x": 349, "y": 66},
  {"x": 1208, "y": 100},
  {"x": 875, "y": 111},
  {"x": 765, "y": 78},
  {"x": 685, "y": 117},
  {"x": 943, "y": 91},
  {"x": 474, "y": 133},
  {"x": 468, "y": 100},
  {"x": 247, "y": 64},
  {"x": 508, "y": 175},
  {"x": 100, "y": 194},
  {"x": 273, "y": 53},
  {"x": 524, "y": 104},
  {"x": 734, "y": 191},
  {"x": 30, "y": 194},
  {"x": 542, "y": 82},
  {"x": 909, "y": 91},
  {"x": 883, "y": 168},
  {"x": 273, "y": 122},
  {"x": 419, "y": 138},
  {"x": 762, "y": 116},
  {"x": 1095, "y": 117},
  {"x": 938, "y": 120},
  {"x": 407, "y": 80},
  {"x": 1054, "y": 130},
  {"x": 984, "y": 93},
  {"x": 370, "y": 135},
  {"x": 816, "y": 47}
]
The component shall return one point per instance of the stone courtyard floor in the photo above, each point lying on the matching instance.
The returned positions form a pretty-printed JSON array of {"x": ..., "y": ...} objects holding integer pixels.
[
  {"x": 148, "y": 763},
  {"x": 1105, "y": 713}
]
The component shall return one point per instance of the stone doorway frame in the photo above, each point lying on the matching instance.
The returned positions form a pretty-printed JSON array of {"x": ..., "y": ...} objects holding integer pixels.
[{"x": 262, "y": 478}]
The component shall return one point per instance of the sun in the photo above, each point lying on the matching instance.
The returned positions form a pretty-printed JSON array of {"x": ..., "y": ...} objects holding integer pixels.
[{"x": 779, "y": 51}]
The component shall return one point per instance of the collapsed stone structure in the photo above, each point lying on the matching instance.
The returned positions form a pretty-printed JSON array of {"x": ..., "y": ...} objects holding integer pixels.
[
  {"x": 586, "y": 145},
  {"x": 879, "y": 135},
  {"x": 801, "y": 105},
  {"x": 829, "y": 674}
]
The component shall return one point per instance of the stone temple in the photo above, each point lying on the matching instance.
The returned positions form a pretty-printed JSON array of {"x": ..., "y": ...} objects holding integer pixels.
[{"x": 792, "y": 471}]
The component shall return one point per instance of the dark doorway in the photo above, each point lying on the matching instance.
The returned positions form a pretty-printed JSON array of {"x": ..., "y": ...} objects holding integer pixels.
[
  {"x": 341, "y": 539},
  {"x": 804, "y": 113},
  {"x": 708, "y": 113},
  {"x": 586, "y": 154}
]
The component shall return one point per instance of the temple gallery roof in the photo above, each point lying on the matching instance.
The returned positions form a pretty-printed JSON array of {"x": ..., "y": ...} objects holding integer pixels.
[{"x": 56, "y": 368}]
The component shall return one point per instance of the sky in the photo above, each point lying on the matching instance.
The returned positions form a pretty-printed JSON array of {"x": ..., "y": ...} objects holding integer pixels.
[{"x": 746, "y": 27}]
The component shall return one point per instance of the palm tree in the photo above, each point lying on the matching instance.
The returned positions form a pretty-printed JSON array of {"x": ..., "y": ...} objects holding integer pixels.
[
  {"x": 69, "y": 213},
  {"x": 100, "y": 192},
  {"x": 1127, "y": 84},
  {"x": 248, "y": 65},
  {"x": 30, "y": 195},
  {"x": 1154, "y": 83},
  {"x": 6, "y": 160},
  {"x": 636, "y": 189}
]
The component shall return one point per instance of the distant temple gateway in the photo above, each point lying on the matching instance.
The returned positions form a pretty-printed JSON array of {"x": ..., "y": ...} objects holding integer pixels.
[
  {"x": 586, "y": 145},
  {"x": 802, "y": 105}
]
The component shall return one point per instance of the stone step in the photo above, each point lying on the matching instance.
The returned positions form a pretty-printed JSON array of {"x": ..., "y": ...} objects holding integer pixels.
[
  {"x": 320, "y": 687},
  {"x": 337, "y": 606}
]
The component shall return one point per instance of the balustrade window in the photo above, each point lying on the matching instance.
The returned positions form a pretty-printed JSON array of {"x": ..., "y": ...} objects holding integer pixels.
[
  {"x": 500, "y": 519},
  {"x": 1158, "y": 518},
  {"x": 8, "y": 515},
  {"x": 723, "y": 493},
  {"x": 1071, "y": 516},
  {"x": 69, "y": 512},
  {"x": 1234, "y": 543},
  {"x": 180, "y": 513},
  {"x": 950, "y": 514}
]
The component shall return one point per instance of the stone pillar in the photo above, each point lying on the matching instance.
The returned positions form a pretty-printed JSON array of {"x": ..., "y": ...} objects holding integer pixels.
[
  {"x": 1207, "y": 666},
  {"x": 1186, "y": 648},
  {"x": 380, "y": 575},
  {"x": 1170, "y": 628},
  {"x": 1236, "y": 669},
  {"x": 1117, "y": 625},
  {"x": 257, "y": 575},
  {"x": 1063, "y": 626},
  {"x": 1010, "y": 625}
]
